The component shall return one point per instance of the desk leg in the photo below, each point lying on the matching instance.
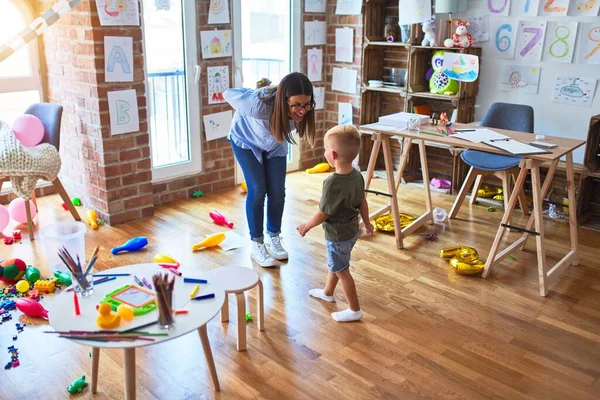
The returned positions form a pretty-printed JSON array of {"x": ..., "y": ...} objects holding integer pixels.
[
  {"x": 241, "y": 321},
  {"x": 476, "y": 187},
  {"x": 572, "y": 208},
  {"x": 129, "y": 367},
  {"x": 209, "y": 357},
  {"x": 225, "y": 309},
  {"x": 471, "y": 175},
  {"x": 403, "y": 160},
  {"x": 372, "y": 162},
  {"x": 389, "y": 169},
  {"x": 95, "y": 363},
  {"x": 425, "y": 173},
  {"x": 539, "y": 227}
]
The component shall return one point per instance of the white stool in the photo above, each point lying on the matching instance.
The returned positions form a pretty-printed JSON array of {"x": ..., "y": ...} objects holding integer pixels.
[{"x": 236, "y": 280}]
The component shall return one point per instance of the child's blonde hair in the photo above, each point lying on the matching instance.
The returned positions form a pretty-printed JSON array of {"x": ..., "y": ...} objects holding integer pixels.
[{"x": 345, "y": 141}]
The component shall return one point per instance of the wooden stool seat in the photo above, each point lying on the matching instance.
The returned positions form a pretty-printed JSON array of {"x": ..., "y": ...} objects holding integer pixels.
[{"x": 237, "y": 280}]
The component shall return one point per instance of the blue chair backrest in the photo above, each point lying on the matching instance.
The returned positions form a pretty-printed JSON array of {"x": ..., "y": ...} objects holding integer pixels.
[
  {"x": 50, "y": 115},
  {"x": 514, "y": 117}
]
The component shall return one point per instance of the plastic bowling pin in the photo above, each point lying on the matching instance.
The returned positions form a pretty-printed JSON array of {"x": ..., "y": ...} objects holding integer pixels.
[
  {"x": 220, "y": 219},
  {"x": 31, "y": 308},
  {"x": 135, "y": 244},
  {"x": 210, "y": 241},
  {"x": 92, "y": 219},
  {"x": 244, "y": 187},
  {"x": 165, "y": 259},
  {"x": 321, "y": 167}
]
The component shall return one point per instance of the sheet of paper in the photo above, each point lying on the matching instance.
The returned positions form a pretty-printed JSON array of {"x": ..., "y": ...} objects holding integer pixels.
[
  {"x": 348, "y": 7},
  {"x": 123, "y": 111},
  {"x": 479, "y": 135},
  {"x": 344, "y": 113},
  {"x": 232, "y": 241},
  {"x": 461, "y": 67},
  {"x": 315, "y": 64},
  {"x": 216, "y": 43},
  {"x": 576, "y": 91},
  {"x": 344, "y": 80},
  {"x": 479, "y": 28},
  {"x": 584, "y": 8},
  {"x": 315, "y": 33},
  {"x": 530, "y": 40},
  {"x": 218, "y": 13},
  {"x": 118, "y": 13},
  {"x": 515, "y": 147},
  {"x": 386, "y": 128},
  {"x": 524, "y": 7},
  {"x": 118, "y": 65},
  {"x": 344, "y": 45},
  {"x": 319, "y": 94},
  {"x": 218, "y": 82},
  {"x": 499, "y": 7},
  {"x": 413, "y": 11},
  {"x": 559, "y": 44},
  {"x": 554, "y": 8},
  {"x": 314, "y": 6},
  {"x": 520, "y": 78},
  {"x": 589, "y": 44},
  {"x": 217, "y": 125},
  {"x": 505, "y": 36}
]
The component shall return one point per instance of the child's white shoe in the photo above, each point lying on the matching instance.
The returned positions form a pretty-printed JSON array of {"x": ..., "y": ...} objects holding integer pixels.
[
  {"x": 347, "y": 315},
  {"x": 261, "y": 255},
  {"x": 276, "y": 249}
]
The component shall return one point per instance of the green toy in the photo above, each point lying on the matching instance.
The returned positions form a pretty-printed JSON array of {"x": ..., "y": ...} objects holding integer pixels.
[
  {"x": 197, "y": 193},
  {"x": 77, "y": 385},
  {"x": 248, "y": 317},
  {"x": 141, "y": 301},
  {"x": 64, "y": 278},
  {"x": 440, "y": 83},
  {"x": 76, "y": 201},
  {"x": 32, "y": 274}
]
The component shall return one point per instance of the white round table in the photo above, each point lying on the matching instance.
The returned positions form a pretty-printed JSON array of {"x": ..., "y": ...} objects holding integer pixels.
[{"x": 62, "y": 316}]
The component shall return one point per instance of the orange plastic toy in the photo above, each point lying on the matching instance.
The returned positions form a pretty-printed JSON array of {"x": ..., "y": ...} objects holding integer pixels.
[
  {"x": 321, "y": 167},
  {"x": 210, "y": 241},
  {"x": 107, "y": 318},
  {"x": 45, "y": 285},
  {"x": 92, "y": 219},
  {"x": 160, "y": 258}
]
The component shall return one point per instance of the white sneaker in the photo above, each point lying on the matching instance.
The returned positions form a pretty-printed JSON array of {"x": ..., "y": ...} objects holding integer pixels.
[
  {"x": 276, "y": 248},
  {"x": 261, "y": 255}
]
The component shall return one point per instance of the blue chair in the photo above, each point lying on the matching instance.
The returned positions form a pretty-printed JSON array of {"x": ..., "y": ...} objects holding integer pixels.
[{"x": 514, "y": 117}]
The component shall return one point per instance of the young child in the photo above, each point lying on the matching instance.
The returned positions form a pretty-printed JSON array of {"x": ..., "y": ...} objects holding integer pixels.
[{"x": 343, "y": 199}]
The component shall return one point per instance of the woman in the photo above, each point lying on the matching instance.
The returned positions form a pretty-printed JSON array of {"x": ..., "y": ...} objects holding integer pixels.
[{"x": 261, "y": 129}]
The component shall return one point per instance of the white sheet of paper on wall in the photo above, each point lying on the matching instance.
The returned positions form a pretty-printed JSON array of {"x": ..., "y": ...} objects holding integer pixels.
[
  {"x": 576, "y": 91},
  {"x": 498, "y": 7},
  {"x": 479, "y": 28},
  {"x": 460, "y": 67},
  {"x": 524, "y": 8},
  {"x": 123, "y": 112},
  {"x": 217, "y": 82},
  {"x": 414, "y": 11},
  {"x": 315, "y": 6},
  {"x": 344, "y": 113},
  {"x": 217, "y": 125},
  {"x": 315, "y": 64},
  {"x": 118, "y": 12},
  {"x": 216, "y": 43},
  {"x": 554, "y": 8},
  {"x": 118, "y": 60},
  {"x": 589, "y": 44},
  {"x": 218, "y": 12},
  {"x": 344, "y": 45},
  {"x": 504, "y": 36},
  {"x": 559, "y": 44},
  {"x": 348, "y": 7},
  {"x": 530, "y": 40},
  {"x": 344, "y": 80},
  {"x": 315, "y": 33},
  {"x": 319, "y": 95},
  {"x": 520, "y": 78},
  {"x": 584, "y": 8}
]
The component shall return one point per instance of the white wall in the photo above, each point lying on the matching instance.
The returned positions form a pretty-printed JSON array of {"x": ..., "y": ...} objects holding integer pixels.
[{"x": 555, "y": 119}]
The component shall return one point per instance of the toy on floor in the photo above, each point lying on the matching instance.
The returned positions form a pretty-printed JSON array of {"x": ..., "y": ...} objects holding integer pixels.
[
  {"x": 385, "y": 223},
  {"x": 464, "y": 260},
  {"x": 197, "y": 193},
  {"x": 210, "y": 241},
  {"x": 487, "y": 192},
  {"x": 22, "y": 286},
  {"x": 429, "y": 39},
  {"x": 76, "y": 201},
  {"x": 31, "y": 308},
  {"x": 64, "y": 278},
  {"x": 92, "y": 219},
  {"x": 107, "y": 319},
  {"x": 12, "y": 270},
  {"x": 32, "y": 274},
  {"x": 135, "y": 244},
  {"x": 77, "y": 385},
  {"x": 440, "y": 183},
  {"x": 220, "y": 219},
  {"x": 461, "y": 37},
  {"x": 45, "y": 285},
  {"x": 9, "y": 240},
  {"x": 440, "y": 83},
  {"x": 321, "y": 167},
  {"x": 439, "y": 214},
  {"x": 18, "y": 212},
  {"x": 160, "y": 258}
]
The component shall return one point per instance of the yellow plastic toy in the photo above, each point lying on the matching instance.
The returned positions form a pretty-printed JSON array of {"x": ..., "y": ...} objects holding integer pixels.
[
  {"x": 244, "y": 187},
  {"x": 160, "y": 258},
  {"x": 321, "y": 167},
  {"x": 465, "y": 253},
  {"x": 107, "y": 318},
  {"x": 466, "y": 268},
  {"x": 92, "y": 219},
  {"x": 22, "y": 286},
  {"x": 210, "y": 241},
  {"x": 45, "y": 285},
  {"x": 385, "y": 223},
  {"x": 486, "y": 192},
  {"x": 125, "y": 312}
]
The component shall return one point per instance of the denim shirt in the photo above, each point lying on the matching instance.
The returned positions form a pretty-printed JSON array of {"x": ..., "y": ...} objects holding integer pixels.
[{"x": 250, "y": 127}]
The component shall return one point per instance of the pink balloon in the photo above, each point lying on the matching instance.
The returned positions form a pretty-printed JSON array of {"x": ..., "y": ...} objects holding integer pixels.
[
  {"x": 29, "y": 130},
  {"x": 3, "y": 217},
  {"x": 17, "y": 211}
]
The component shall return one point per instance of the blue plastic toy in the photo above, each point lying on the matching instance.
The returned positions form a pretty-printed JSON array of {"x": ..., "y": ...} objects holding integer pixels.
[{"x": 135, "y": 244}]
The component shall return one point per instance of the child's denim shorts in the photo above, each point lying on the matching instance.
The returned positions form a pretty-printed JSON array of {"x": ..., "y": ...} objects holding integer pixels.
[{"x": 338, "y": 254}]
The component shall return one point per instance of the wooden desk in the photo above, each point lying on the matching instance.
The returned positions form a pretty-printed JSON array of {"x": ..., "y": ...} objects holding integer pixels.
[{"x": 381, "y": 136}]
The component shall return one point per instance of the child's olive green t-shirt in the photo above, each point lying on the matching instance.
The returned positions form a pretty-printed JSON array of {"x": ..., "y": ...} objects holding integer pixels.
[{"x": 341, "y": 199}]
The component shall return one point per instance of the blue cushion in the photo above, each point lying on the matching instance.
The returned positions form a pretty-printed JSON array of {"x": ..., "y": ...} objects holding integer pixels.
[{"x": 489, "y": 161}]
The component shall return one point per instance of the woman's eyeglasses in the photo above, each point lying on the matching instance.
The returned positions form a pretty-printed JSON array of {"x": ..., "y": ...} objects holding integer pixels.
[{"x": 296, "y": 107}]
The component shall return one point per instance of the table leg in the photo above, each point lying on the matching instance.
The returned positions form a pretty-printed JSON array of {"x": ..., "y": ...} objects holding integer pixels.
[
  {"x": 476, "y": 187},
  {"x": 65, "y": 198},
  {"x": 225, "y": 309},
  {"x": 29, "y": 221},
  {"x": 425, "y": 173},
  {"x": 241, "y": 321},
  {"x": 261, "y": 307},
  {"x": 209, "y": 357},
  {"x": 372, "y": 162},
  {"x": 403, "y": 161},
  {"x": 95, "y": 363},
  {"x": 463, "y": 192},
  {"x": 129, "y": 367},
  {"x": 572, "y": 208},
  {"x": 389, "y": 169},
  {"x": 539, "y": 227}
]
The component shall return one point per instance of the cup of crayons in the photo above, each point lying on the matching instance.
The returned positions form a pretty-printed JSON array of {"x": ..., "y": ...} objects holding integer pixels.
[
  {"x": 83, "y": 284},
  {"x": 164, "y": 300}
]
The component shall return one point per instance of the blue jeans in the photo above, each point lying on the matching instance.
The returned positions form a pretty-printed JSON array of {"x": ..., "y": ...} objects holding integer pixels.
[{"x": 263, "y": 179}]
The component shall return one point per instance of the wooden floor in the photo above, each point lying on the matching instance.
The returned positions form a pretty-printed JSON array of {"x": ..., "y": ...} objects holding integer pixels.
[{"x": 427, "y": 332}]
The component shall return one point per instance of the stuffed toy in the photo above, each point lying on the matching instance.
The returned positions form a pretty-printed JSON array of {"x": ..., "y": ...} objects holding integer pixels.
[
  {"x": 461, "y": 37},
  {"x": 429, "y": 39},
  {"x": 440, "y": 83},
  {"x": 11, "y": 270}
]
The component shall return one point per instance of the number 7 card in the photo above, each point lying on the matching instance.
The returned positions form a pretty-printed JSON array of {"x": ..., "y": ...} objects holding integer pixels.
[{"x": 530, "y": 40}]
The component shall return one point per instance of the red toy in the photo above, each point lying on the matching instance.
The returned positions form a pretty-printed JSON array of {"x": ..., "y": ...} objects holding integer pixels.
[
  {"x": 11, "y": 270},
  {"x": 31, "y": 308},
  {"x": 8, "y": 240},
  {"x": 220, "y": 219},
  {"x": 17, "y": 235},
  {"x": 462, "y": 38}
]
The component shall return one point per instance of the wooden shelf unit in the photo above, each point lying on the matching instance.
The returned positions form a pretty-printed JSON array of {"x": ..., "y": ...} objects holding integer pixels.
[{"x": 588, "y": 202}]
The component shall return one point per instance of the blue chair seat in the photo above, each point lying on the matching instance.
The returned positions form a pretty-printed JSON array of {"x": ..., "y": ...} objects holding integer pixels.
[{"x": 489, "y": 161}]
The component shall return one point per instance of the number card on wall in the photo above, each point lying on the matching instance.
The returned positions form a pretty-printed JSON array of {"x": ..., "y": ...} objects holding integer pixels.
[
  {"x": 525, "y": 7},
  {"x": 530, "y": 39},
  {"x": 504, "y": 34},
  {"x": 559, "y": 45},
  {"x": 584, "y": 8},
  {"x": 499, "y": 7},
  {"x": 589, "y": 43},
  {"x": 555, "y": 8}
]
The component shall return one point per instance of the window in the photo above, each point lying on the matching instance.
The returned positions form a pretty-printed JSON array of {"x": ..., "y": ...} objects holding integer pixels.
[
  {"x": 20, "y": 79},
  {"x": 170, "y": 53}
]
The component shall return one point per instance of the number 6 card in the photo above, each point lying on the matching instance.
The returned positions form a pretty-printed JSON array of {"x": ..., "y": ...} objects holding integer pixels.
[
  {"x": 530, "y": 39},
  {"x": 504, "y": 35}
]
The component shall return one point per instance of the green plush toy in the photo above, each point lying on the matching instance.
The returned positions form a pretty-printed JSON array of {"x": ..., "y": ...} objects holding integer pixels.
[{"x": 440, "y": 83}]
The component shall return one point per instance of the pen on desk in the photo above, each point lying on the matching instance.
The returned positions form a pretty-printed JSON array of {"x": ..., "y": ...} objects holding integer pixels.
[
  {"x": 137, "y": 280},
  {"x": 146, "y": 283},
  {"x": 206, "y": 296},
  {"x": 464, "y": 130},
  {"x": 500, "y": 140},
  {"x": 193, "y": 280},
  {"x": 111, "y": 275}
]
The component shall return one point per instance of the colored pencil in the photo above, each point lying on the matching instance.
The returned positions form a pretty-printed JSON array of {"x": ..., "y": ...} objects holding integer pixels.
[
  {"x": 135, "y": 328},
  {"x": 76, "y": 304},
  {"x": 146, "y": 283},
  {"x": 178, "y": 312},
  {"x": 173, "y": 270},
  {"x": 104, "y": 280},
  {"x": 193, "y": 280},
  {"x": 194, "y": 291},
  {"x": 137, "y": 280},
  {"x": 206, "y": 296},
  {"x": 112, "y": 274}
]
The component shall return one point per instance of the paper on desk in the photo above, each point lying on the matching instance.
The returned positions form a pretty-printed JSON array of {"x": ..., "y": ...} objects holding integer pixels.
[
  {"x": 480, "y": 135},
  {"x": 382, "y": 127},
  {"x": 515, "y": 147},
  {"x": 232, "y": 241}
]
